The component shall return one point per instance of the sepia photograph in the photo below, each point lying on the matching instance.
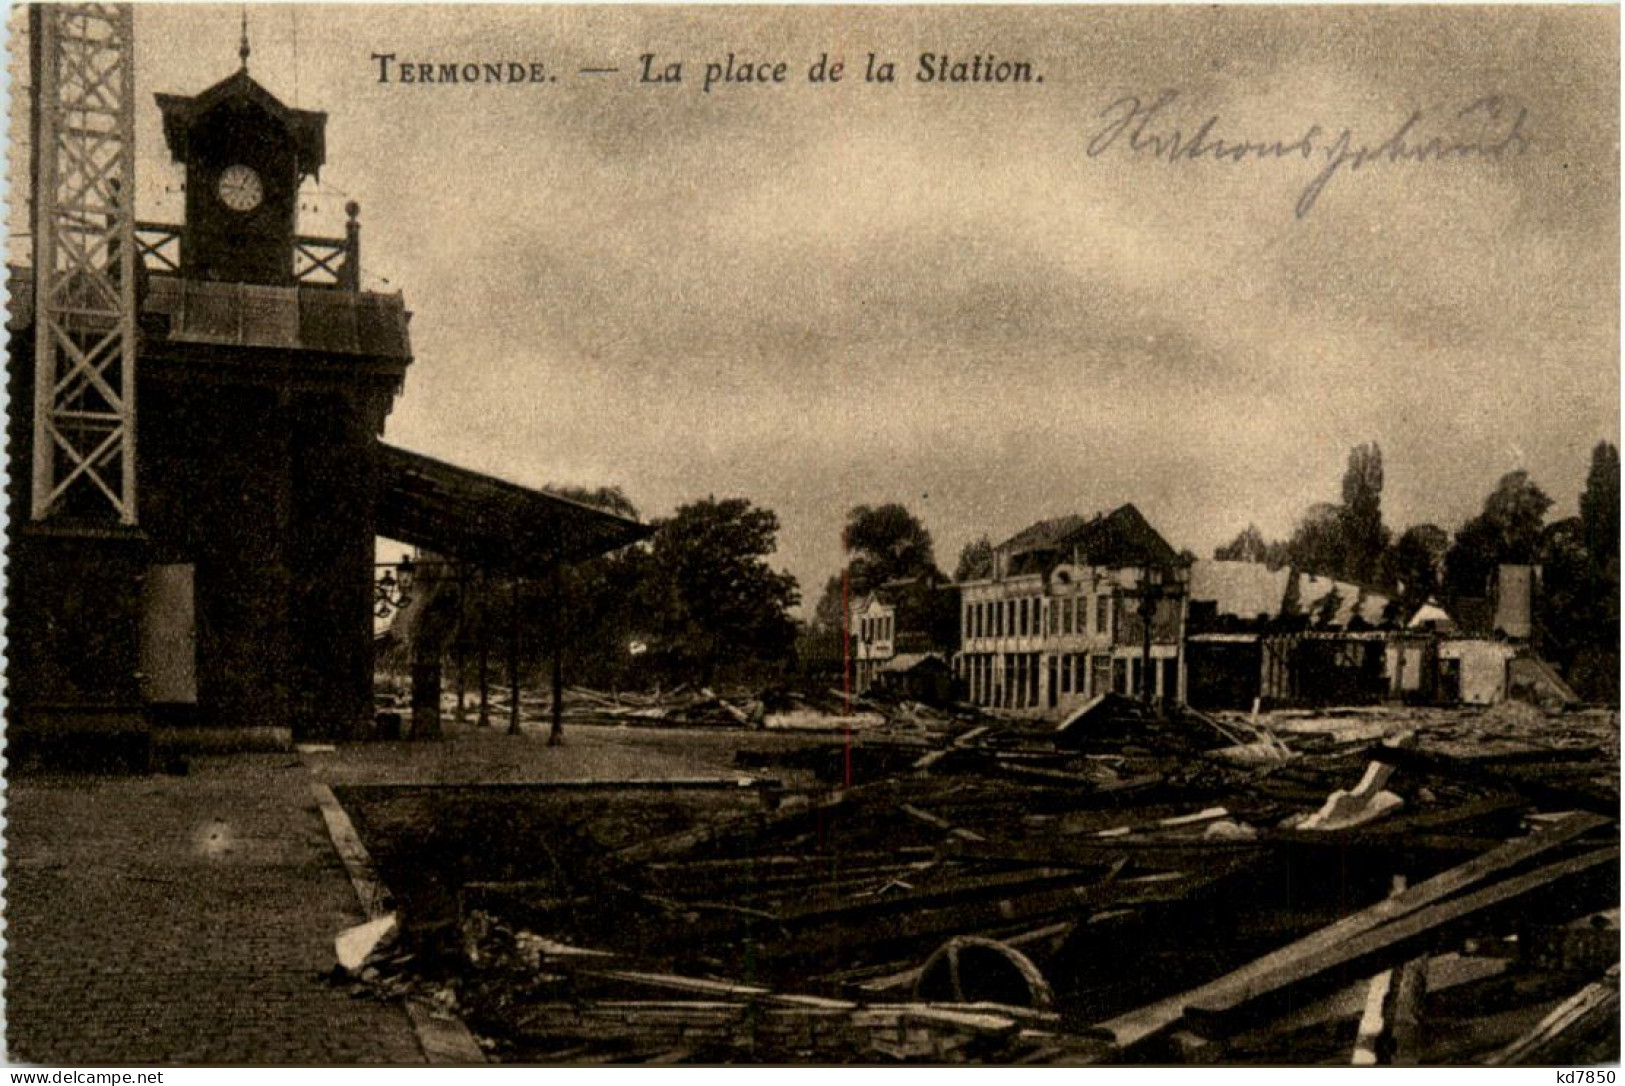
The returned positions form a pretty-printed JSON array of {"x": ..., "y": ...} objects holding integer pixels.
[{"x": 805, "y": 535}]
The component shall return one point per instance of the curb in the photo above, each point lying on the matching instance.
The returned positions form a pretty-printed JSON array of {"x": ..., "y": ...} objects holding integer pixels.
[{"x": 441, "y": 1034}]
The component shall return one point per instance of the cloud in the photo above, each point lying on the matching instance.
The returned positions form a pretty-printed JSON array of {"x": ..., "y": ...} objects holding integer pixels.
[{"x": 819, "y": 297}]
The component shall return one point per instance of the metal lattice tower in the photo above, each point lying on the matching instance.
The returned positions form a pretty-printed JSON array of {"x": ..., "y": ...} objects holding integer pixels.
[{"x": 84, "y": 262}]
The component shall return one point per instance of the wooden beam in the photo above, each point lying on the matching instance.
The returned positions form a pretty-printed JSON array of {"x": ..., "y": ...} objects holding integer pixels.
[
  {"x": 1591, "y": 1006},
  {"x": 555, "y": 734},
  {"x": 1137, "y": 1026},
  {"x": 1370, "y": 1038},
  {"x": 485, "y": 653},
  {"x": 513, "y": 656},
  {"x": 1262, "y": 993}
]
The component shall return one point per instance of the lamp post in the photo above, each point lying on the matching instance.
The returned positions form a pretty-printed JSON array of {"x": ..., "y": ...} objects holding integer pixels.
[
  {"x": 1157, "y": 583},
  {"x": 1150, "y": 593},
  {"x": 393, "y": 591}
]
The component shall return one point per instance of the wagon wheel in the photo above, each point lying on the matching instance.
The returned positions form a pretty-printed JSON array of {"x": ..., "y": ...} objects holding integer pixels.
[{"x": 971, "y": 969}]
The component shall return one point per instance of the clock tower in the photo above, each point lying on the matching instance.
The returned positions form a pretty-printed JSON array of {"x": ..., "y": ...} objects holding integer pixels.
[{"x": 245, "y": 155}]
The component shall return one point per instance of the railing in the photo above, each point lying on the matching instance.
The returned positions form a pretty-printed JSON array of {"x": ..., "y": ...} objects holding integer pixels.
[
  {"x": 317, "y": 262},
  {"x": 158, "y": 247}
]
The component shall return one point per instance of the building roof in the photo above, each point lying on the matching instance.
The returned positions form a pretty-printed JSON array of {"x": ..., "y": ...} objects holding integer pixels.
[
  {"x": 1432, "y": 614},
  {"x": 908, "y": 661},
  {"x": 490, "y": 522},
  {"x": 305, "y": 128},
  {"x": 1243, "y": 589},
  {"x": 301, "y": 318},
  {"x": 1353, "y": 601},
  {"x": 1112, "y": 540},
  {"x": 198, "y": 312},
  {"x": 1246, "y": 590},
  {"x": 1046, "y": 534}
]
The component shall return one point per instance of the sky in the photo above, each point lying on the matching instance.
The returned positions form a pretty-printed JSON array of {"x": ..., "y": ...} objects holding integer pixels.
[{"x": 816, "y": 296}]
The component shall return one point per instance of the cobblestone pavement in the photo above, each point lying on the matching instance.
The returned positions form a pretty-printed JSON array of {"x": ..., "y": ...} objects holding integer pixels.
[{"x": 182, "y": 920}]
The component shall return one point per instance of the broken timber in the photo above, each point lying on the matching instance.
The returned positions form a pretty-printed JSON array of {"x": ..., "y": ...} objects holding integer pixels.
[
  {"x": 1219, "y": 1011},
  {"x": 1590, "y": 1007},
  {"x": 1336, "y": 944}
]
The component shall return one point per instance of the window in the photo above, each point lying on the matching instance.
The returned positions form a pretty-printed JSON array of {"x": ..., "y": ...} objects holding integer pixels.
[
  {"x": 1021, "y": 621},
  {"x": 1103, "y": 614},
  {"x": 1066, "y": 674},
  {"x": 1066, "y": 616},
  {"x": 1054, "y": 608}
]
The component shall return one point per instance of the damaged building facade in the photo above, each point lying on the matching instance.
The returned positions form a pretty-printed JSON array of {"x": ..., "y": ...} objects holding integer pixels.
[
  {"x": 1061, "y": 618},
  {"x": 903, "y": 636},
  {"x": 1284, "y": 637}
]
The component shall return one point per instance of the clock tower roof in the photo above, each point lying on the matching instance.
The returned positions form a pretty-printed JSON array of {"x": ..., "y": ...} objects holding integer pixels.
[{"x": 306, "y": 130}]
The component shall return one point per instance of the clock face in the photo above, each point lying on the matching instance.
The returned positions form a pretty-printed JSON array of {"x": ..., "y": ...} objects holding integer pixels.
[{"x": 239, "y": 188}]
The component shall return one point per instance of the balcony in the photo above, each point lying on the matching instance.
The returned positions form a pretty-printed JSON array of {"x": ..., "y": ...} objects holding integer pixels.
[{"x": 331, "y": 263}]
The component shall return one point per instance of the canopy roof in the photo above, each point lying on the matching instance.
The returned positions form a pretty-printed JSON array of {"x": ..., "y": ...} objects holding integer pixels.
[{"x": 489, "y": 522}]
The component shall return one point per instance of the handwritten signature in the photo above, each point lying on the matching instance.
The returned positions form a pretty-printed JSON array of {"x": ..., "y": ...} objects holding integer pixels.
[{"x": 1487, "y": 128}]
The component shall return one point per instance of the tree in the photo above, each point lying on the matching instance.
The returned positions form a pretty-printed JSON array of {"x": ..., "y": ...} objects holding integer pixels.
[
  {"x": 975, "y": 561},
  {"x": 1248, "y": 546},
  {"x": 885, "y": 543},
  {"x": 882, "y": 543},
  {"x": 830, "y": 614},
  {"x": 1566, "y": 609},
  {"x": 1415, "y": 565},
  {"x": 1579, "y": 602},
  {"x": 611, "y": 499},
  {"x": 715, "y": 599},
  {"x": 587, "y": 613},
  {"x": 1508, "y": 530},
  {"x": 1364, "y": 537},
  {"x": 1599, "y": 512},
  {"x": 1317, "y": 543},
  {"x": 1346, "y": 539}
]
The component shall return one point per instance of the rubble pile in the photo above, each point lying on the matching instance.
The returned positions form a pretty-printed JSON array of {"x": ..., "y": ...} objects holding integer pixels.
[{"x": 1361, "y": 887}]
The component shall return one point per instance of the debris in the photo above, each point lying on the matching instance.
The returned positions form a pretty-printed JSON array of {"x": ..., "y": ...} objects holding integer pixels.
[
  {"x": 355, "y": 947},
  {"x": 990, "y": 887},
  {"x": 1339, "y": 943},
  {"x": 1355, "y": 806},
  {"x": 1595, "y": 1005}
]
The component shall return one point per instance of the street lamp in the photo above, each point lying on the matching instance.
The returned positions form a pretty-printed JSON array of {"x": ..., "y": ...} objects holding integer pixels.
[
  {"x": 1157, "y": 583},
  {"x": 393, "y": 591}
]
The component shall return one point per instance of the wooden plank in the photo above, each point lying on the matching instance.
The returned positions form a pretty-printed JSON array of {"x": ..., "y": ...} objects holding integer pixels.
[
  {"x": 755, "y": 826},
  {"x": 1132, "y": 1028},
  {"x": 1592, "y": 1005},
  {"x": 1406, "y": 1030},
  {"x": 1256, "y": 993},
  {"x": 1373, "y": 1028},
  {"x": 941, "y": 823},
  {"x": 1197, "y": 854},
  {"x": 1558, "y": 794}
]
